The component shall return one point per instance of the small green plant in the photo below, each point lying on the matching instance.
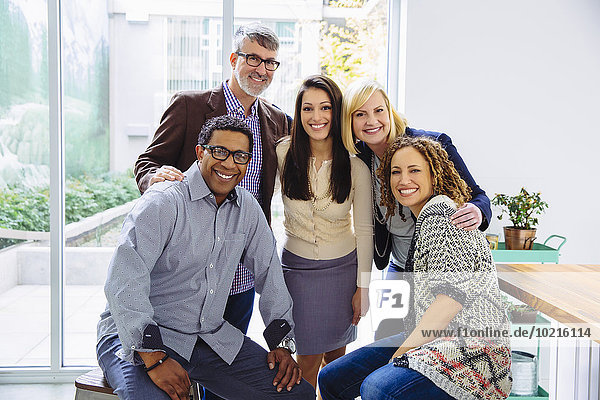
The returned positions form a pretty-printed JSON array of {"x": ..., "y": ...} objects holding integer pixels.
[
  {"x": 518, "y": 308},
  {"x": 521, "y": 208},
  {"x": 518, "y": 312}
]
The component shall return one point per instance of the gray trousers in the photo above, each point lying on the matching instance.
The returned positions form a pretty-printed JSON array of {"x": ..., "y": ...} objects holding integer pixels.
[{"x": 248, "y": 377}]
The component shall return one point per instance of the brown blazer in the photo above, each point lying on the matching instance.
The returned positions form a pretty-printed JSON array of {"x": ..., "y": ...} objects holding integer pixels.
[{"x": 175, "y": 140}]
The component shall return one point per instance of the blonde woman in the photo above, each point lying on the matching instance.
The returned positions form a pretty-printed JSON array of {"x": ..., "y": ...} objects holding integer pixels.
[
  {"x": 369, "y": 125},
  {"x": 328, "y": 249}
]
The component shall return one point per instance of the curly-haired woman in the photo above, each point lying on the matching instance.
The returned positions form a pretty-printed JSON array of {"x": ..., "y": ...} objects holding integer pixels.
[{"x": 457, "y": 345}]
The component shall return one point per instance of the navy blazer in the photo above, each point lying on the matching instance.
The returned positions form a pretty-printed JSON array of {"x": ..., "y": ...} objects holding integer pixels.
[{"x": 382, "y": 237}]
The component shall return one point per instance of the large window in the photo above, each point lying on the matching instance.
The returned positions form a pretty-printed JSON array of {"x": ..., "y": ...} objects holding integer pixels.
[
  {"x": 90, "y": 184},
  {"x": 24, "y": 187},
  {"x": 345, "y": 39},
  {"x": 121, "y": 62},
  {"x": 193, "y": 53}
]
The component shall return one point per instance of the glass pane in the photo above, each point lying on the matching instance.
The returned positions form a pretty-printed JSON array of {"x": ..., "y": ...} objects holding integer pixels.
[
  {"x": 144, "y": 57},
  {"x": 191, "y": 63},
  {"x": 24, "y": 185},
  {"x": 90, "y": 187},
  {"x": 344, "y": 39},
  {"x": 355, "y": 46}
]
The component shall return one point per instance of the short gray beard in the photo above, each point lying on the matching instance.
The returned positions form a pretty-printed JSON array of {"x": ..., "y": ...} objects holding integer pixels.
[{"x": 246, "y": 87}]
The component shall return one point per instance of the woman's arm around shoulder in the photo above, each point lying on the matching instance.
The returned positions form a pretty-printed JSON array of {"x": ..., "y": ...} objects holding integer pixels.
[{"x": 479, "y": 198}]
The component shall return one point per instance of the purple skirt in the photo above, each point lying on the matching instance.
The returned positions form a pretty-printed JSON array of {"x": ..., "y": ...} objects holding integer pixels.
[{"x": 322, "y": 292}]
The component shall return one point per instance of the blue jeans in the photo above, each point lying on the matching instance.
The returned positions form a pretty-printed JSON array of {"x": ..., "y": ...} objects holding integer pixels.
[
  {"x": 128, "y": 381},
  {"x": 394, "y": 271},
  {"x": 366, "y": 372},
  {"x": 237, "y": 312},
  {"x": 248, "y": 377}
]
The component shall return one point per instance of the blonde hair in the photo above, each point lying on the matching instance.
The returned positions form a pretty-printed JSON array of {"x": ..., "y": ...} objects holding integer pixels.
[{"x": 355, "y": 96}]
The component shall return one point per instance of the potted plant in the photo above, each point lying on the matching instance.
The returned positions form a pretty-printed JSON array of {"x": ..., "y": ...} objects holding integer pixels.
[
  {"x": 519, "y": 313},
  {"x": 522, "y": 209}
]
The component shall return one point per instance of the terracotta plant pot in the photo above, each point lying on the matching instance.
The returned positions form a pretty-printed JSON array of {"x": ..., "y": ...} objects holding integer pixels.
[{"x": 518, "y": 239}]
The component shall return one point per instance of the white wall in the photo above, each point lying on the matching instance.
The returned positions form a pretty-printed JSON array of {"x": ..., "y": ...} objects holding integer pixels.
[
  {"x": 137, "y": 87},
  {"x": 516, "y": 84}
]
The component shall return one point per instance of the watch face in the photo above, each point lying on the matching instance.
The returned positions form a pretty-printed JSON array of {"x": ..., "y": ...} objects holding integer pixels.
[{"x": 291, "y": 345}]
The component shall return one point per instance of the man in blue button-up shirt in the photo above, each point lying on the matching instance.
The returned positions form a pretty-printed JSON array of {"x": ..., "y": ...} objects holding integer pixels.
[{"x": 169, "y": 280}]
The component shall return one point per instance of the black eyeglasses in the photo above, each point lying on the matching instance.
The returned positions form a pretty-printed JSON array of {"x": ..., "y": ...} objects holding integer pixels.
[
  {"x": 254, "y": 61},
  {"x": 222, "y": 153}
]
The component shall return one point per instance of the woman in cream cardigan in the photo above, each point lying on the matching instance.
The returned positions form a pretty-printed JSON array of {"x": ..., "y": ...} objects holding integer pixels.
[{"x": 328, "y": 249}]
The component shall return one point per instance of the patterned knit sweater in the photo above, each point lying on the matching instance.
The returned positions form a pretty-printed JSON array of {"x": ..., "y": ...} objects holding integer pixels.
[{"x": 475, "y": 363}]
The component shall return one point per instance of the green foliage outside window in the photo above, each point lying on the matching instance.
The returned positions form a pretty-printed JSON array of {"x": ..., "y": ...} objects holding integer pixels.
[
  {"x": 346, "y": 3},
  {"x": 15, "y": 57},
  {"x": 24, "y": 93},
  {"x": 27, "y": 209},
  {"x": 353, "y": 50}
]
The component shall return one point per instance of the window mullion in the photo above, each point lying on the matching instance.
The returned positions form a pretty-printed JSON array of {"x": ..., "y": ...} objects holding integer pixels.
[
  {"x": 57, "y": 184},
  {"x": 396, "y": 67},
  {"x": 227, "y": 32}
]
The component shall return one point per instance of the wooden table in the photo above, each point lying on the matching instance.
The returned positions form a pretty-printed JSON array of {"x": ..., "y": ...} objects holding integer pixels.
[
  {"x": 567, "y": 293},
  {"x": 570, "y": 295}
]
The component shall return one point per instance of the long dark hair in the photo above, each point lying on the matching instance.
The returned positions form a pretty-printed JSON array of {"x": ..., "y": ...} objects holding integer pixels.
[{"x": 295, "y": 168}]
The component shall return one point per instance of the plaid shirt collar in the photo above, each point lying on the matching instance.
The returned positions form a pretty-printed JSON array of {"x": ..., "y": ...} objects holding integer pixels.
[{"x": 234, "y": 105}]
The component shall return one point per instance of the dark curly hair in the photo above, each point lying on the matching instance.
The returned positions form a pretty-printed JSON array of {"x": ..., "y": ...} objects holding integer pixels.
[
  {"x": 445, "y": 178},
  {"x": 224, "y": 123}
]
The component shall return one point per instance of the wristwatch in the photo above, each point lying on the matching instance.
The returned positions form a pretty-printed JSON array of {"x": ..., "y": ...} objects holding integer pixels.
[{"x": 289, "y": 344}]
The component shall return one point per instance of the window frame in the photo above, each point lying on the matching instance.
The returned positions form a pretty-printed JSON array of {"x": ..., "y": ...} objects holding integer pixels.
[{"x": 57, "y": 372}]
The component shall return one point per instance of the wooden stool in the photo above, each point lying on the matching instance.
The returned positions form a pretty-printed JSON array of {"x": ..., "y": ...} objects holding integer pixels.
[{"x": 93, "y": 386}]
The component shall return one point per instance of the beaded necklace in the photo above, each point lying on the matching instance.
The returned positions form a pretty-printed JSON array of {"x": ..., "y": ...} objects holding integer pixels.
[
  {"x": 377, "y": 215},
  {"x": 315, "y": 198},
  {"x": 376, "y": 211}
]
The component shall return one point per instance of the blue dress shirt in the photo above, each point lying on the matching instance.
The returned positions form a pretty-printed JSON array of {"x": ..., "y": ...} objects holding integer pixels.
[{"x": 175, "y": 262}]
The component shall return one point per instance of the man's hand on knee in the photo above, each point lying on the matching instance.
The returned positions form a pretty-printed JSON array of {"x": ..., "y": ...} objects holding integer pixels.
[
  {"x": 169, "y": 376},
  {"x": 289, "y": 373}
]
